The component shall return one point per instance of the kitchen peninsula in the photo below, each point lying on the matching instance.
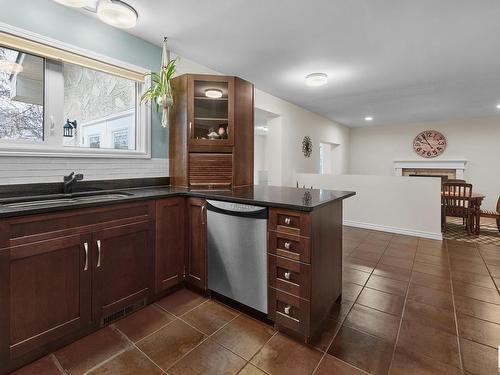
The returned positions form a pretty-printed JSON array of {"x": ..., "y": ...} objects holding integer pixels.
[{"x": 95, "y": 260}]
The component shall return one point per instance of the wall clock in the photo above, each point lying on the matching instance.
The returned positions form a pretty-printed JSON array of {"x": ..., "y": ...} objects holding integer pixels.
[
  {"x": 307, "y": 146},
  {"x": 429, "y": 144}
]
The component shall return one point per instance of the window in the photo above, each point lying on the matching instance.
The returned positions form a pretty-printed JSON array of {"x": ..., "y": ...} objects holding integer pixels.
[
  {"x": 42, "y": 92},
  {"x": 100, "y": 103},
  {"x": 21, "y": 96}
]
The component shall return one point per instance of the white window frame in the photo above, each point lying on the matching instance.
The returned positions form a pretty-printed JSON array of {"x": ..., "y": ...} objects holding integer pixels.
[{"x": 52, "y": 145}]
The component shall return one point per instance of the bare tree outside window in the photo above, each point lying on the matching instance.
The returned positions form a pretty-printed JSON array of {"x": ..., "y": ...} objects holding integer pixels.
[{"x": 21, "y": 96}]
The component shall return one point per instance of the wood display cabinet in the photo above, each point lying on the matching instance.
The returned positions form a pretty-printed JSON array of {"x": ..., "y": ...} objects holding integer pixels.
[{"x": 211, "y": 131}]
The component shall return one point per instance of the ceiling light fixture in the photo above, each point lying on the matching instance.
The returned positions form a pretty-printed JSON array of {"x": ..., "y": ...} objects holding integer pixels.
[
  {"x": 73, "y": 3},
  {"x": 368, "y": 118},
  {"x": 213, "y": 93},
  {"x": 498, "y": 106},
  {"x": 117, "y": 13},
  {"x": 316, "y": 79},
  {"x": 10, "y": 67}
]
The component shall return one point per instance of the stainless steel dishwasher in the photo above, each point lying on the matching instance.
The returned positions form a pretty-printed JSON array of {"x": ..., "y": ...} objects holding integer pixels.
[{"x": 237, "y": 252}]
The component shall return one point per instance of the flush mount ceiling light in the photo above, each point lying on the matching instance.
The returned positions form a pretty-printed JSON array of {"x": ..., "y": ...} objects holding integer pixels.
[
  {"x": 498, "y": 106},
  {"x": 317, "y": 79},
  {"x": 117, "y": 13},
  {"x": 10, "y": 67},
  {"x": 368, "y": 118},
  {"x": 213, "y": 93},
  {"x": 73, "y": 3}
]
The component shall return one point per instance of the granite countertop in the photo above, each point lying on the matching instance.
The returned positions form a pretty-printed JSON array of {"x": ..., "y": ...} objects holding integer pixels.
[{"x": 268, "y": 196}]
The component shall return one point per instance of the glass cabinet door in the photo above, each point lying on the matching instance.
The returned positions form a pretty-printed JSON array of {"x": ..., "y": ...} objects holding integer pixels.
[{"x": 211, "y": 122}]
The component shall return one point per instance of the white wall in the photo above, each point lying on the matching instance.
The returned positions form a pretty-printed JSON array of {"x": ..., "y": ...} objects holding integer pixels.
[
  {"x": 387, "y": 203},
  {"x": 296, "y": 123},
  {"x": 373, "y": 150},
  {"x": 260, "y": 145}
]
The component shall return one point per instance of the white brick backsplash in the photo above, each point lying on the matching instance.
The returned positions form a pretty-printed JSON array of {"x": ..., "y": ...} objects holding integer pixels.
[{"x": 22, "y": 170}]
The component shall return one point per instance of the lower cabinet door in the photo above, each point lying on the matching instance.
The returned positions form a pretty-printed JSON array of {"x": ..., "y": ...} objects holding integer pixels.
[
  {"x": 170, "y": 242},
  {"x": 123, "y": 269},
  {"x": 196, "y": 257},
  {"x": 49, "y": 292}
]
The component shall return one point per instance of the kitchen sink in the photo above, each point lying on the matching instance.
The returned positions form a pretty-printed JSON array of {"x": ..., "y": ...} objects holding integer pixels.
[{"x": 56, "y": 199}]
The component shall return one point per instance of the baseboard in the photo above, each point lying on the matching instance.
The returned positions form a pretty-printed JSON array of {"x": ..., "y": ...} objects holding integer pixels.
[{"x": 383, "y": 228}]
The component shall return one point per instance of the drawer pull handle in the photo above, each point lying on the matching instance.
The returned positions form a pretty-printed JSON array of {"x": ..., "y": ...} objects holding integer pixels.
[
  {"x": 287, "y": 310},
  {"x": 287, "y": 221},
  {"x": 287, "y": 275},
  {"x": 86, "y": 247},
  {"x": 287, "y": 245},
  {"x": 98, "y": 253}
]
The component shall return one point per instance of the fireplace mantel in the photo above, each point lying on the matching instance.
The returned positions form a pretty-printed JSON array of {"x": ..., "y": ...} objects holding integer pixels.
[{"x": 457, "y": 165}]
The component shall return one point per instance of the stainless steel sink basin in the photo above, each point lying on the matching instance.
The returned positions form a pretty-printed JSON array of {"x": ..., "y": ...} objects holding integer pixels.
[
  {"x": 44, "y": 202},
  {"x": 50, "y": 200},
  {"x": 101, "y": 197}
]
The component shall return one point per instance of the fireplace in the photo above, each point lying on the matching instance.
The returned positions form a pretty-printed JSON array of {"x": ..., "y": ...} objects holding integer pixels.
[
  {"x": 439, "y": 168},
  {"x": 430, "y": 172}
]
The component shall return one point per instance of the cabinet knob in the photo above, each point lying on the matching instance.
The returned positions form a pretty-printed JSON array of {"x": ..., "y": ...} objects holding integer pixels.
[
  {"x": 287, "y": 309},
  {"x": 288, "y": 274},
  {"x": 287, "y": 245},
  {"x": 287, "y": 220}
]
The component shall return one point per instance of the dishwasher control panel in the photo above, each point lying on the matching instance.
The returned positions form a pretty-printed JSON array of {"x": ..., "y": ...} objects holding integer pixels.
[{"x": 236, "y": 207}]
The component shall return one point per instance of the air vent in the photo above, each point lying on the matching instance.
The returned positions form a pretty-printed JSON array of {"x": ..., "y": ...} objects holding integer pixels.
[{"x": 122, "y": 313}]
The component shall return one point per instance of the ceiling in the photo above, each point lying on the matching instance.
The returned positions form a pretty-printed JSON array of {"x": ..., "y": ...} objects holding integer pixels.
[{"x": 399, "y": 61}]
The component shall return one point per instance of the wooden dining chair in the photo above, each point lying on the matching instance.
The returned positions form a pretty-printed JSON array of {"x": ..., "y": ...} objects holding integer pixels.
[
  {"x": 456, "y": 202},
  {"x": 455, "y": 180},
  {"x": 493, "y": 214}
]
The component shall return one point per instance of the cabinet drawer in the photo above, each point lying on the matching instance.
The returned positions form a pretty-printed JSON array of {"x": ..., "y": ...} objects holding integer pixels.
[
  {"x": 288, "y": 221},
  {"x": 33, "y": 228},
  {"x": 289, "y": 276},
  {"x": 289, "y": 311},
  {"x": 289, "y": 246}
]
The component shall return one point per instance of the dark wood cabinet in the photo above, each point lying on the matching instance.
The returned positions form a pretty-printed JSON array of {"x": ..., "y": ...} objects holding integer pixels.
[
  {"x": 49, "y": 285},
  {"x": 63, "y": 274},
  {"x": 304, "y": 267},
  {"x": 170, "y": 242},
  {"x": 196, "y": 255},
  {"x": 122, "y": 267},
  {"x": 211, "y": 137}
]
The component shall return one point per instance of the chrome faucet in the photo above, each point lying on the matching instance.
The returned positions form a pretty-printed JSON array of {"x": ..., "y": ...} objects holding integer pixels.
[{"x": 70, "y": 180}]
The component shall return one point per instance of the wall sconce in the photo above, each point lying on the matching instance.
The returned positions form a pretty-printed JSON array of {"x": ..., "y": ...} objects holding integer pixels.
[{"x": 68, "y": 128}]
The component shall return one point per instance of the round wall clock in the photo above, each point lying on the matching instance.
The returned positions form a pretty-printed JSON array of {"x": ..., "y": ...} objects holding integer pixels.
[
  {"x": 307, "y": 146},
  {"x": 429, "y": 144}
]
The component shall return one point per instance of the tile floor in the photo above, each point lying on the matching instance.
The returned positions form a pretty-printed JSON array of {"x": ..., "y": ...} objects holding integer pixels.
[{"x": 410, "y": 306}]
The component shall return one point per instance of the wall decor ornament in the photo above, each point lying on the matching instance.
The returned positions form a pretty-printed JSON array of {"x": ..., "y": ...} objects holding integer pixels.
[
  {"x": 307, "y": 146},
  {"x": 161, "y": 90},
  {"x": 429, "y": 144}
]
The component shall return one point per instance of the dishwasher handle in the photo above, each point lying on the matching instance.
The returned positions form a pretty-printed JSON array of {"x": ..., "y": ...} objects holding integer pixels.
[{"x": 227, "y": 208}]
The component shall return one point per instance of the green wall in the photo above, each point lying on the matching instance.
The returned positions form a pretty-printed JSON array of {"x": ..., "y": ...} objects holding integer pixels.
[{"x": 55, "y": 21}]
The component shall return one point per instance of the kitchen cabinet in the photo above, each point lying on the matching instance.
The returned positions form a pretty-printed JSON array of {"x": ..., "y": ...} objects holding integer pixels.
[
  {"x": 211, "y": 132},
  {"x": 196, "y": 255},
  {"x": 304, "y": 268},
  {"x": 50, "y": 292},
  {"x": 122, "y": 268},
  {"x": 65, "y": 274},
  {"x": 170, "y": 242}
]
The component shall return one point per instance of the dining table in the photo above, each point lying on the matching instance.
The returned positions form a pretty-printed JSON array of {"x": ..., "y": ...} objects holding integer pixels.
[{"x": 475, "y": 212}]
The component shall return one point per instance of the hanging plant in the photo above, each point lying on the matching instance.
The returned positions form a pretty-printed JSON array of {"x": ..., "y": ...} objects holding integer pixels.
[
  {"x": 307, "y": 146},
  {"x": 160, "y": 91}
]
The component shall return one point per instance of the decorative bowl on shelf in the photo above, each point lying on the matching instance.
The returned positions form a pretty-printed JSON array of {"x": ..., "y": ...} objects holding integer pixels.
[{"x": 213, "y": 135}]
